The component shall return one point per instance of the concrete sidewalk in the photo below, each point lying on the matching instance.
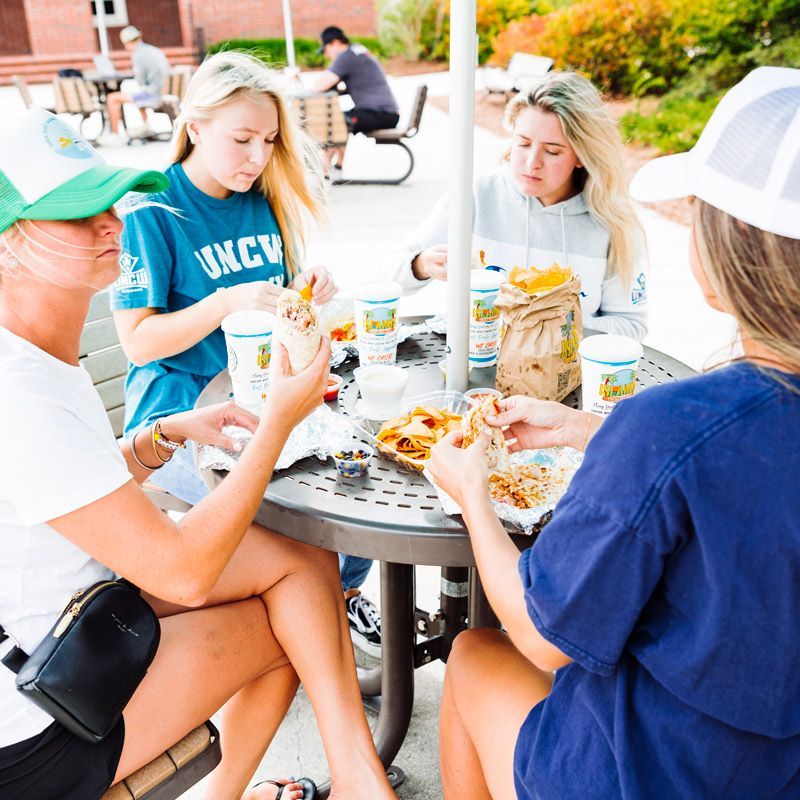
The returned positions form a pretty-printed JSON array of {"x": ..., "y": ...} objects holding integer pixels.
[{"x": 366, "y": 223}]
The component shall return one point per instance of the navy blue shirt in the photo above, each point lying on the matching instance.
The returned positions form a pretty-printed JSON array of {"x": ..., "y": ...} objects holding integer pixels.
[
  {"x": 670, "y": 574},
  {"x": 171, "y": 261}
]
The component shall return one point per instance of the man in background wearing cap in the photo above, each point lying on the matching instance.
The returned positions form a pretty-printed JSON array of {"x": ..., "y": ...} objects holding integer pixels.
[
  {"x": 150, "y": 67},
  {"x": 374, "y": 105}
]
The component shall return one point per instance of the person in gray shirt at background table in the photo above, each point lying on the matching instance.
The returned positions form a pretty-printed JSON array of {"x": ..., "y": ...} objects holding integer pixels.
[
  {"x": 150, "y": 67},
  {"x": 374, "y": 105}
]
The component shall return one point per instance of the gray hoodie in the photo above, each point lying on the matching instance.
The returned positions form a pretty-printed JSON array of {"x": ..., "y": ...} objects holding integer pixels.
[{"x": 513, "y": 229}]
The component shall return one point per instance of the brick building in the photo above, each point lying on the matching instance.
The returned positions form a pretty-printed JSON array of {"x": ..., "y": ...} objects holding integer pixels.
[{"x": 39, "y": 37}]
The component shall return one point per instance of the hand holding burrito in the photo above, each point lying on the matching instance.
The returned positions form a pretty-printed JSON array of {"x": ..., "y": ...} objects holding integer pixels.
[{"x": 297, "y": 329}]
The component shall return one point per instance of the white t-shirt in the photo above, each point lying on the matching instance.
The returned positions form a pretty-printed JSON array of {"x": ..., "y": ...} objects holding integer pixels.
[{"x": 58, "y": 454}]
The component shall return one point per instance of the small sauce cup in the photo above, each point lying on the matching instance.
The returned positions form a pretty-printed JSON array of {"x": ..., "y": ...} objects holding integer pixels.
[
  {"x": 477, "y": 395},
  {"x": 334, "y": 384},
  {"x": 353, "y": 463}
]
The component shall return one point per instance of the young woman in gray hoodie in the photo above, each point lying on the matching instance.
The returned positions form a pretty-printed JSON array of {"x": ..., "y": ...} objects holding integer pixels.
[{"x": 561, "y": 196}]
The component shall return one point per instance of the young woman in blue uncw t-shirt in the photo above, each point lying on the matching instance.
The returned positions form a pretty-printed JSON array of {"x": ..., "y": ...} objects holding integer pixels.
[
  {"x": 665, "y": 591},
  {"x": 227, "y": 235}
]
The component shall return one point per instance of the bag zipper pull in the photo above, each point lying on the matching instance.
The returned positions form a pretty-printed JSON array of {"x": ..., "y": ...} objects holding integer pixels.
[{"x": 69, "y": 615}]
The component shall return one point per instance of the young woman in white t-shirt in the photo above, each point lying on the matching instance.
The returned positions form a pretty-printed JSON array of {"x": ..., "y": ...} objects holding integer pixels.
[{"x": 245, "y": 613}]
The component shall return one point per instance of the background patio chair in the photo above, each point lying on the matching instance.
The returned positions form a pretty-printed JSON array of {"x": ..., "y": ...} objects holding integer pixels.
[
  {"x": 523, "y": 71},
  {"x": 321, "y": 116},
  {"x": 172, "y": 92},
  {"x": 25, "y": 94},
  {"x": 396, "y": 136},
  {"x": 78, "y": 97}
]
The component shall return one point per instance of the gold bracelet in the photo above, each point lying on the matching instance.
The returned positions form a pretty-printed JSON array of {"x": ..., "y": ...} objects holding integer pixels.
[
  {"x": 154, "y": 443},
  {"x": 136, "y": 457}
]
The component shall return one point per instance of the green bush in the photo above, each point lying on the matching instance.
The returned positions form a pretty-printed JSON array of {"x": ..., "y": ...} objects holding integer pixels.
[
  {"x": 674, "y": 125},
  {"x": 273, "y": 51}
]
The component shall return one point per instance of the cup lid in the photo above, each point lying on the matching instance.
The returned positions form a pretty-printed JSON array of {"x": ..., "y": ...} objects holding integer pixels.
[
  {"x": 485, "y": 279},
  {"x": 248, "y": 323},
  {"x": 378, "y": 291},
  {"x": 610, "y": 348}
]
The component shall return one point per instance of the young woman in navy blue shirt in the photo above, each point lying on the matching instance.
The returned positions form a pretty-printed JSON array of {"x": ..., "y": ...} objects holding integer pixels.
[{"x": 664, "y": 593}]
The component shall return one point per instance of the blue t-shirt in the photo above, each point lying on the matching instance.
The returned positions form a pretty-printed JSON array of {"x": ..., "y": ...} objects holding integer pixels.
[
  {"x": 172, "y": 260},
  {"x": 670, "y": 574}
]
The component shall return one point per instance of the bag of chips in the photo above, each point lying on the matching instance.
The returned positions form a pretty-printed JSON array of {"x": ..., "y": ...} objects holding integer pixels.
[{"x": 541, "y": 311}]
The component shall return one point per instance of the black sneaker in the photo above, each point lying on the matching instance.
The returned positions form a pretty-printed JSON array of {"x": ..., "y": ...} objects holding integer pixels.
[{"x": 365, "y": 625}]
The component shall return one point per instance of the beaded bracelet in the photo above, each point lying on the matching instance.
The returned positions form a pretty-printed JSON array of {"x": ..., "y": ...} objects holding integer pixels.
[
  {"x": 154, "y": 442},
  {"x": 161, "y": 439},
  {"x": 136, "y": 457}
]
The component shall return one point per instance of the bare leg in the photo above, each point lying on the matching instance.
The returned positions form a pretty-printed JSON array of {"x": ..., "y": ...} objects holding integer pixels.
[
  {"x": 478, "y": 729},
  {"x": 302, "y": 591},
  {"x": 207, "y": 656},
  {"x": 114, "y": 103}
]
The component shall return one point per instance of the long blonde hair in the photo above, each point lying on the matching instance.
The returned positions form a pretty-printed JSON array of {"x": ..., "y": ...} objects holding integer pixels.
[
  {"x": 292, "y": 179},
  {"x": 756, "y": 275},
  {"x": 593, "y": 135}
]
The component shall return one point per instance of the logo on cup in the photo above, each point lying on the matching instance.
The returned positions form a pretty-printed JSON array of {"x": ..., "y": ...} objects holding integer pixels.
[
  {"x": 264, "y": 355},
  {"x": 569, "y": 339},
  {"x": 380, "y": 321},
  {"x": 617, "y": 385},
  {"x": 233, "y": 361},
  {"x": 483, "y": 309}
]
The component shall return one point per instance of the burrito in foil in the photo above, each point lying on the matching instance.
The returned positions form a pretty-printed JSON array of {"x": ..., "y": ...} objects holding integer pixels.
[{"x": 297, "y": 329}]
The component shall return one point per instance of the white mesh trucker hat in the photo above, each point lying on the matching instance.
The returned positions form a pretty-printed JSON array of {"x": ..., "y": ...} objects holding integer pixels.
[
  {"x": 49, "y": 171},
  {"x": 747, "y": 160}
]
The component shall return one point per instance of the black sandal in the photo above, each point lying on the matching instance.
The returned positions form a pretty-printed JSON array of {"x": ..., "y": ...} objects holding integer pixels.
[{"x": 309, "y": 787}]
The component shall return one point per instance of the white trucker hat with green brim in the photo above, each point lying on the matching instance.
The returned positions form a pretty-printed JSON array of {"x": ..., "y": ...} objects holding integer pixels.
[
  {"x": 49, "y": 171},
  {"x": 747, "y": 160}
]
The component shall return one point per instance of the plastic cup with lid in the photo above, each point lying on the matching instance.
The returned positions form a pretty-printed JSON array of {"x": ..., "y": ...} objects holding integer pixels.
[
  {"x": 376, "y": 321},
  {"x": 608, "y": 370},
  {"x": 248, "y": 337},
  {"x": 484, "y": 318}
]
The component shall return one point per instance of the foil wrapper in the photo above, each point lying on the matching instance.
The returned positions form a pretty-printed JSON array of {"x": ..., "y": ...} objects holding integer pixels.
[
  {"x": 526, "y": 520},
  {"x": 320, "y": 434},
  {"x": 341, "y": 351},
  {"x": 437, "y": 324}
]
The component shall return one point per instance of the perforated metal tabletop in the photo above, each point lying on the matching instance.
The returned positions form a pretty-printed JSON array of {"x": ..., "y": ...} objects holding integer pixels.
[{"x": 392, "y": 514}]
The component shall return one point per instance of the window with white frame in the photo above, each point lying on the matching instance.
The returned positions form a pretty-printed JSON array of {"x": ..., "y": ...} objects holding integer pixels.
[{"x": 116, "y": 13}]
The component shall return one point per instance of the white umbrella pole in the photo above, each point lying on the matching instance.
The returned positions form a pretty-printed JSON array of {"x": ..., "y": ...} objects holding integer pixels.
[
  {"x": 287, "y": 27},
  {"x": 459, "y": 231},
  {"x": 102, "y": 33}
]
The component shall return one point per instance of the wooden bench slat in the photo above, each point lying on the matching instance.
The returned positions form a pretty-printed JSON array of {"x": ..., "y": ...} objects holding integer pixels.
[
  {"x": 98, "y": 335},
  {"x": 106, "y": 365},
  {"x": 99, "y": 307},
  {"x": 150, "y": 775},
  {"x": 190, "y": 746}
]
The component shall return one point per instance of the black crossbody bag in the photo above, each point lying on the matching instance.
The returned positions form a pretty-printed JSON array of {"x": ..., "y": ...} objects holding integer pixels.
[{"x": 84, "y": 672}]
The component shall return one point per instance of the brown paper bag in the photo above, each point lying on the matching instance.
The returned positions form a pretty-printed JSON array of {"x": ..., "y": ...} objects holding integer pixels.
[{"x": 539, "y": 353}]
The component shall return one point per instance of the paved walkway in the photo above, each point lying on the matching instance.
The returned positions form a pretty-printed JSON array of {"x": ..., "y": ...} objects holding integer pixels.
[{"x": 366, "y": 223}]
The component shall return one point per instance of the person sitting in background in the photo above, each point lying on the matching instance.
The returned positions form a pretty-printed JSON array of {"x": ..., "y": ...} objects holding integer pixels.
[
  {"x": 150, "y": 68},
  {"x": 664, "y": 591},
  {"x": 374, "y": 105}
]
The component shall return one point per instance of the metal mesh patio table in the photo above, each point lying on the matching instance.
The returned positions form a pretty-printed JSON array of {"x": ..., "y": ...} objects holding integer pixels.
[{"x": 394, "y": 516}]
